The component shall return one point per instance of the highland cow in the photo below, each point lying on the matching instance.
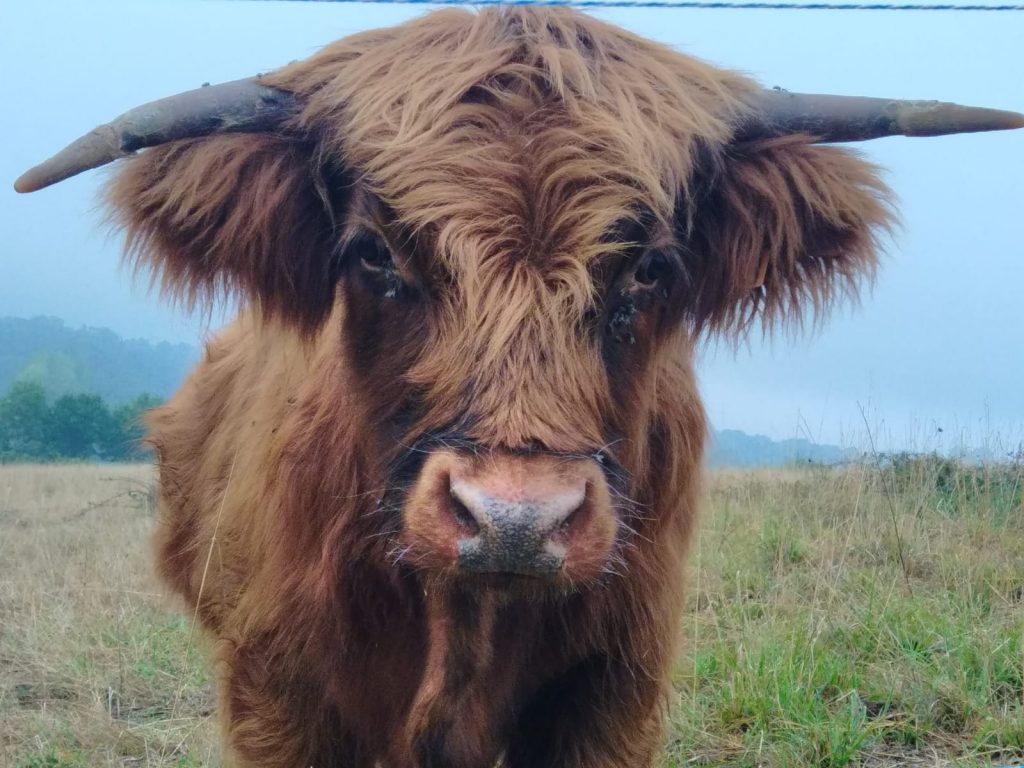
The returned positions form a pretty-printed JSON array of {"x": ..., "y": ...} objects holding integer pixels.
[{"x": 431, "y": 492}]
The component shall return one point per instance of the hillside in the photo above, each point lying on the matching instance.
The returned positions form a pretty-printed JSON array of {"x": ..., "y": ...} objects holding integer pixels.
[
  {"x": 734, "y": 448},
  {"x": 88, "y": 360}
]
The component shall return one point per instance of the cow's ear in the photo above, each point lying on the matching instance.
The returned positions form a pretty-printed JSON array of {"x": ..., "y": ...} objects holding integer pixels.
[
  {"x": 248, "y": 215},
  {"x": 777, "y": 230}
]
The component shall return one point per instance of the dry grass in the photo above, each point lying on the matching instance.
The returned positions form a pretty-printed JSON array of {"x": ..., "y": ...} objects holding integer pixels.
[
  {"x": 93, "y": 664},
  {"x": 806, "y": 643}
]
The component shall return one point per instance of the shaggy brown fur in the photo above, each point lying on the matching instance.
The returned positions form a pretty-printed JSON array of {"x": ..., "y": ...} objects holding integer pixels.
[{"x": 499, "y": 233}]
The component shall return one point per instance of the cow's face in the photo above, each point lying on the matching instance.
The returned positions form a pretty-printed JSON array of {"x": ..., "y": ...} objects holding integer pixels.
[
  {"x": 523, "y": 220},
  {"x": 511, "y": 363}
]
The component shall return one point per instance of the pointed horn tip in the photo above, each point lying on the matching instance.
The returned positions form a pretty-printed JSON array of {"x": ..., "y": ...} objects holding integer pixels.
[
  {"x": 43, "y": 176},
  {"x": 1014, "y": 120},
  {"x": 983, "y": 119},
  {"x": 29, "y": 181}
]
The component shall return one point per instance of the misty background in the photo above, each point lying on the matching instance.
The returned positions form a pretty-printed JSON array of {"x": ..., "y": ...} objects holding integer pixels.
[{"x": 935, "y": 346}]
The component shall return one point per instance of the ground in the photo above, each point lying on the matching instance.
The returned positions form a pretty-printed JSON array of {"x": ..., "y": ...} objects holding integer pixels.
[{"x": 860, "y": 616}]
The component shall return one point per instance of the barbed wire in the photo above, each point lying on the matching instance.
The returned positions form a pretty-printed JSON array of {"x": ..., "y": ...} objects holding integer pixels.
[{"x": 698, "y": 4}]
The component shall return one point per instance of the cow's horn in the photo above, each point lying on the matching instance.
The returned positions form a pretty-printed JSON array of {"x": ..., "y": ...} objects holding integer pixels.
[
  {"x": 858, "y": 118},
  {"x": 241, "y": 105},
  {"x": 248, "y": 105}
]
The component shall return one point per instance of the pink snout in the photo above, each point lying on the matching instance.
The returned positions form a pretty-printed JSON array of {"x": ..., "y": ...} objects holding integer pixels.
[{"x": 511, "y": 514}]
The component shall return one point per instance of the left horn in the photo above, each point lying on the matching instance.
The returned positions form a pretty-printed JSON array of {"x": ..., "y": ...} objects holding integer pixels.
[
  {"x": 239, "y": 106},
  {"x": 858, "y": 118}
]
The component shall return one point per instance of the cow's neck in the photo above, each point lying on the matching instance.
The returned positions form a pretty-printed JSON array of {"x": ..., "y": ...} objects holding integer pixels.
[{"x": 451, "y": 714}]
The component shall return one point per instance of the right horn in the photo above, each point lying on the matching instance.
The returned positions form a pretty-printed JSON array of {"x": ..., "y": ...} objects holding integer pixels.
[
  {"x": 239, "y": 106},
  {"x": 859, "y": 118}
]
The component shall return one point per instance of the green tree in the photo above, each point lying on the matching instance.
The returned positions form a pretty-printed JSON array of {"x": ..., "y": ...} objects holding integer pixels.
[
  {"x": 24, "y": 422},
  {"x": 129, "y": 420},
  {"x": 74, "y": 427},
  {"x": 82, "y": 427}
]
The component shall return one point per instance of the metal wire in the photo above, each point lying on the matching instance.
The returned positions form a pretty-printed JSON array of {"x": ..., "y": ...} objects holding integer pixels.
[{"x": 711, "y": 4}]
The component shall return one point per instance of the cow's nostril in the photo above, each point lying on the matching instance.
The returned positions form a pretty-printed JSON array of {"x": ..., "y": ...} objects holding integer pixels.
[
  {"x": 463, "y": 516},
  {"x": 572, "y": 522},
  {"x": 571, "y": 518}
]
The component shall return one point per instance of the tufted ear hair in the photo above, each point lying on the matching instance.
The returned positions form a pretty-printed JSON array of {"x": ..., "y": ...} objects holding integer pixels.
[
  {"x": 779, "y": 227},
  {"x": 235, "y": 214}
]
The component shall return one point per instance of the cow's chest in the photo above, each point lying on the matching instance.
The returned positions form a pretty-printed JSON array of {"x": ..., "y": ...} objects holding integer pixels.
[{"x": 445, "y": 688}]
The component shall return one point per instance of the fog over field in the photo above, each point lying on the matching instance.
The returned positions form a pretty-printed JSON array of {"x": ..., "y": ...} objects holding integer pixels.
[{"x": 936, "y": 345}]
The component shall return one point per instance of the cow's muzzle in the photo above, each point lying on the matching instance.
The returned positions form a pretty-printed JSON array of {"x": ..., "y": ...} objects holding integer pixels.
[{"x": 504, "y": 513}]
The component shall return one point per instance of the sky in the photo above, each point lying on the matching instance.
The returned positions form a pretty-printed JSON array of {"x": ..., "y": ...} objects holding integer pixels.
[{"x": 937, "y": 344}]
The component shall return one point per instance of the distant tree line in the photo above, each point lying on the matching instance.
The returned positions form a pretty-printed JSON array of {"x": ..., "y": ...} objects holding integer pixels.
[{"x": 71, "y": 427}]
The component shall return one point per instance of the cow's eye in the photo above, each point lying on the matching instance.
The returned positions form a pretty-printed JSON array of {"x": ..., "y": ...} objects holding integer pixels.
[
  {"x": 378, "y": 268},
  {"x": 653, "y": 270},
  {"x": 374, "y": 255}
]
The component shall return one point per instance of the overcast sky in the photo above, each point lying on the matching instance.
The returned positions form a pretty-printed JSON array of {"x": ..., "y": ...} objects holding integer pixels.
[{"x": 938, "y": 343}]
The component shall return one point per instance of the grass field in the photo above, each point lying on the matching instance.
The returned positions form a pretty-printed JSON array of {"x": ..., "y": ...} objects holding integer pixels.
[{"x": 815, "y": 635}]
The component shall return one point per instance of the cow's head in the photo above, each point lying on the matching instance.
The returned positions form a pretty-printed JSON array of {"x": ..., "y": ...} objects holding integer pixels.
[{"x": 523, "y": 219}]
